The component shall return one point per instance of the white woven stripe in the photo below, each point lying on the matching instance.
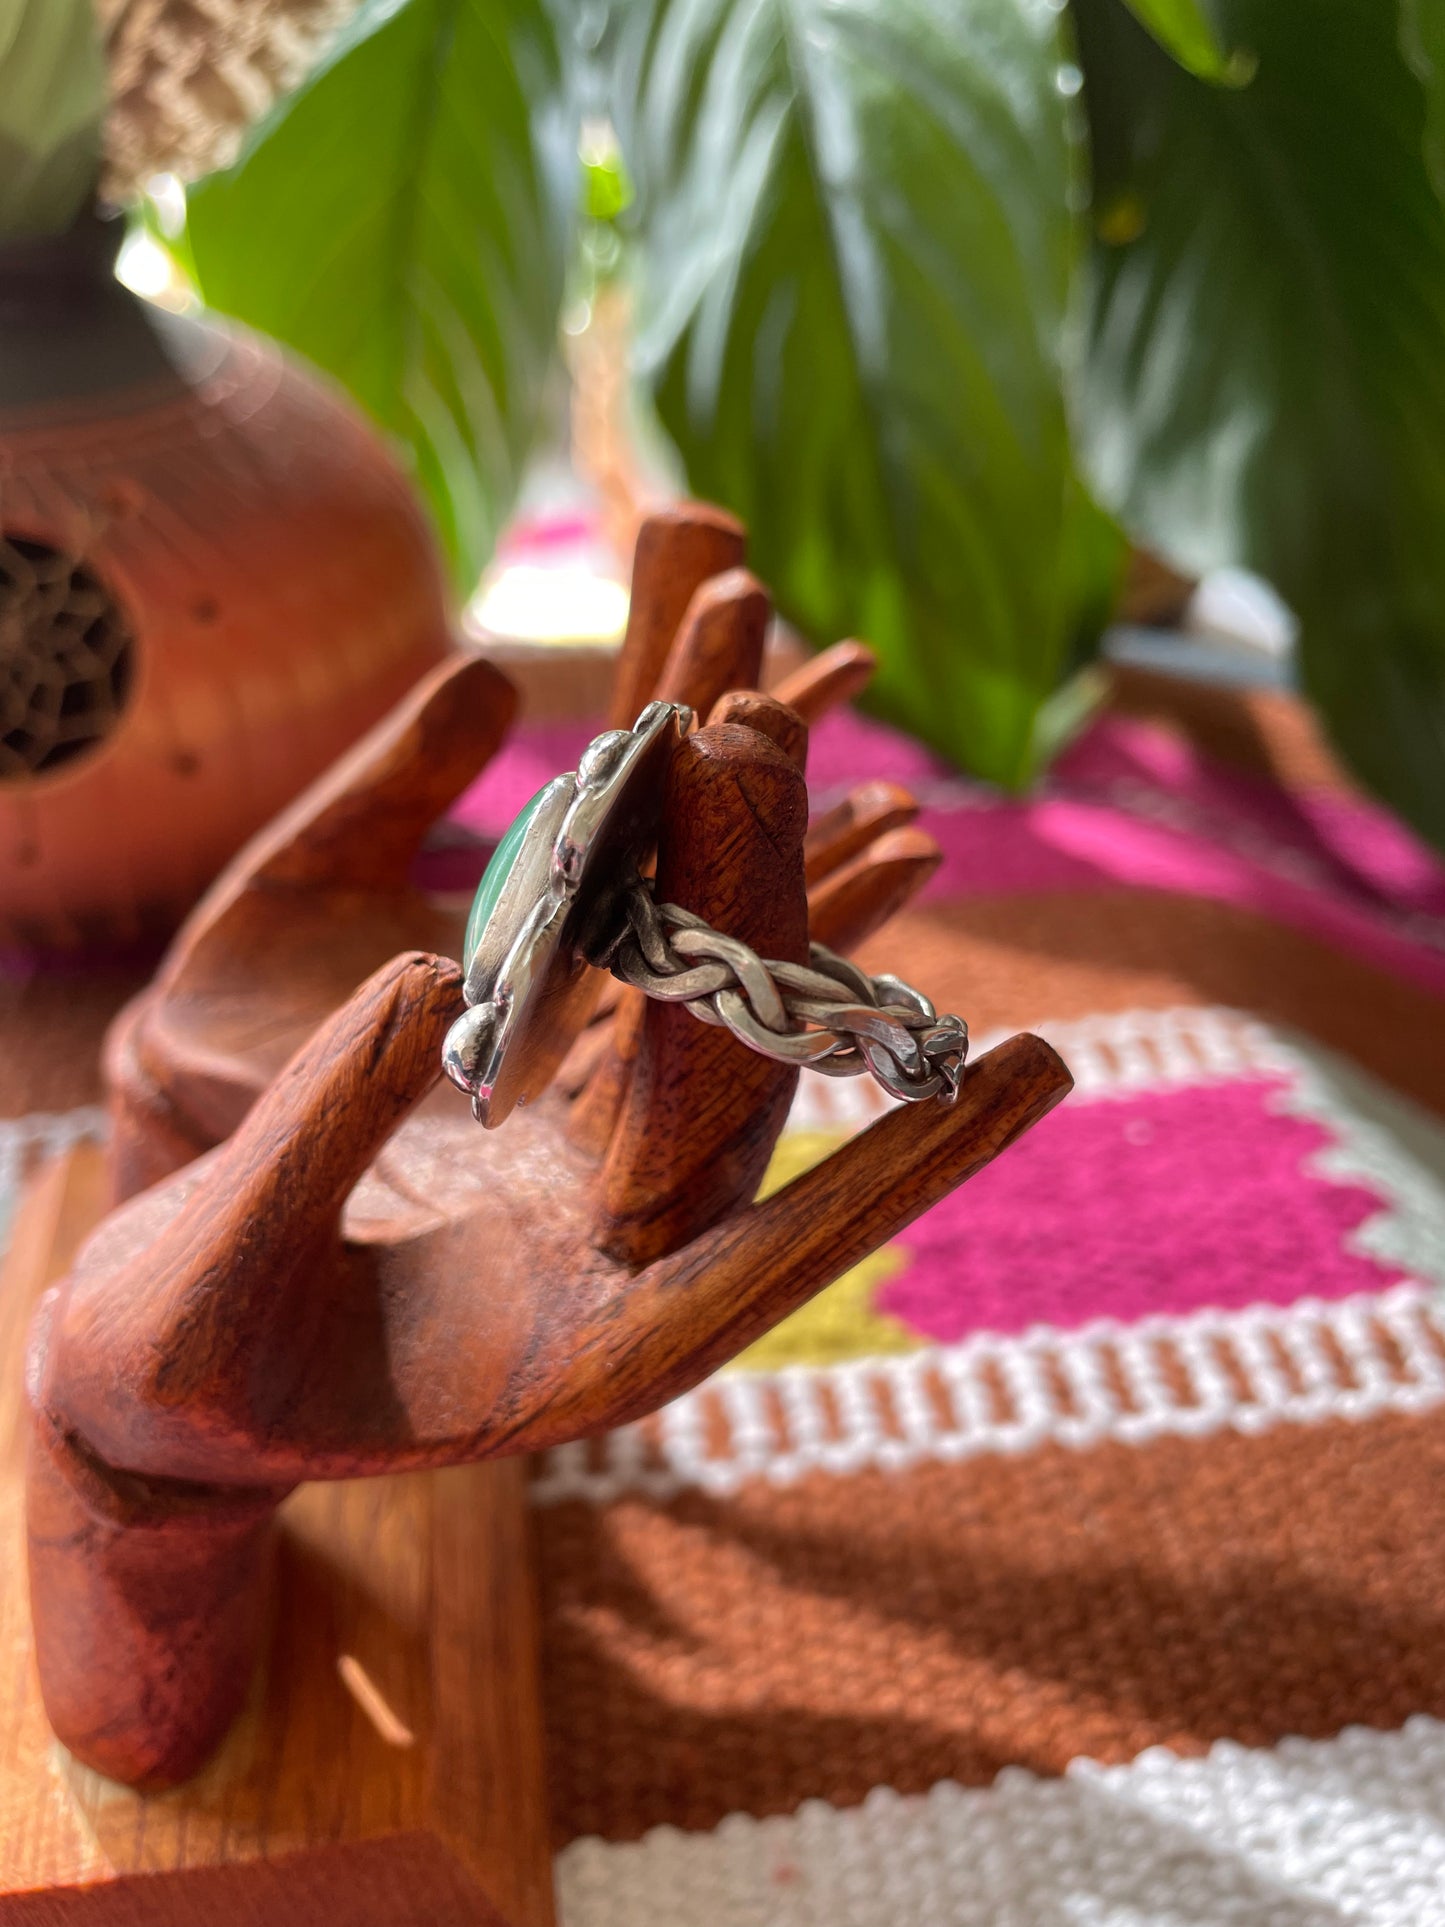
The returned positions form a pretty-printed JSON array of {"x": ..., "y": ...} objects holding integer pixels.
[
  {"x": 1124, "y": 1052},
  {"x": 1309, "y": 1833},
  {"x": 1186, "y": 1375},
  {"x": 1160, "y": 1377}
]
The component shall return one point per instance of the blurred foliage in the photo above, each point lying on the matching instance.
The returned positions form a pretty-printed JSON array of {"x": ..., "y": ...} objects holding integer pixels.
[
  {"x": 405, "y": 219},
  {"x": 938, "y": 294},
  {"x": 52, "y": 105},
  {"x": 858, "y": 253},
  {"x": 1265, "y": 381},
  {"x": 1191, "y": 34},
  {"x": 1422, "y": 38}
]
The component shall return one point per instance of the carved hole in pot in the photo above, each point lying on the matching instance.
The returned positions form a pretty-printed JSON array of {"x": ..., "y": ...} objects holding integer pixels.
[{"x": 67, "y": 657}]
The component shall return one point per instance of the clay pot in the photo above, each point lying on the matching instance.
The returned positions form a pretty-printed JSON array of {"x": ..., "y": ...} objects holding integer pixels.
[{"x": 213, "y": 578}]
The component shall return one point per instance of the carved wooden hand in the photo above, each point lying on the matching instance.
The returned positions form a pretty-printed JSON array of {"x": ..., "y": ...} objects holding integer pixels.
[{"x": 360, "y": 1280}]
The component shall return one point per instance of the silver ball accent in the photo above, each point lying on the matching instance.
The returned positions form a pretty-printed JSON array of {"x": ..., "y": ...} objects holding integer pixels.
[
  {"x": 602, "y": 756},
  {"x": 467, "y": 1043}
]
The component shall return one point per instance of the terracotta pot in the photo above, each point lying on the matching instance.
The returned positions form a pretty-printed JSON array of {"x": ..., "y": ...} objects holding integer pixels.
[{"x": 213, "y": 577}]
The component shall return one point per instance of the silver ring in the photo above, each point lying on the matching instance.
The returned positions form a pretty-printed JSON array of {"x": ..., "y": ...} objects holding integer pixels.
[{"x": 564, "y": 891}]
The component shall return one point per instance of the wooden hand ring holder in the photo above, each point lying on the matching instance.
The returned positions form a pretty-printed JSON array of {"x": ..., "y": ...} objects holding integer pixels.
[{"x": 359, "y": 1294}]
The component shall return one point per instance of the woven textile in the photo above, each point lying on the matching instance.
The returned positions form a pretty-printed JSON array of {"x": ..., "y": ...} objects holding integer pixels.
[{"x": 1080, "y": 1557}]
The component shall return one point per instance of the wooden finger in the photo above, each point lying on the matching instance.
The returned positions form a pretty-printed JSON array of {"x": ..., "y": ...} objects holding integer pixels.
[
  {"x": 603, "y": 1074},
  {"x": 694, "y": 1309},
  {"x": 608, "y": 998},
  {"x": 839, "y": 835},
  {"x": 154, "y": 1349},
  {"x": 829, "y": 680},
  {"x": 593, "y": 1118},
  {"x": 769, "y": 717},
  {"x": 701, "y": 1111},
  {"x": 719, "y": 645},
  {"x": 579, "y": 1066},
  {"x": 844, "y": 910},
  {"x": 854, "y": 901},
  {"x": 677, "y": 550},
  {"x": 363, "y": 820},
  {"x": 598, "y": 1075}
]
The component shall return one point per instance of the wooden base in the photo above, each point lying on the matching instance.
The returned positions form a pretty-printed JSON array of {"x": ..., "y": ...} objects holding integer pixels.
[{"x": 388, "y": 1770}]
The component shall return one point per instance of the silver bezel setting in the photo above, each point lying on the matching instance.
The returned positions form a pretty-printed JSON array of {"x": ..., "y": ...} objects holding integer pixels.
[{"x": 529, "y": 988}]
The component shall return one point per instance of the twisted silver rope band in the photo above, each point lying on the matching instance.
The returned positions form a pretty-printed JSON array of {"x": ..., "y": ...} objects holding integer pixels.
[{"x": 827, "y": 1013}]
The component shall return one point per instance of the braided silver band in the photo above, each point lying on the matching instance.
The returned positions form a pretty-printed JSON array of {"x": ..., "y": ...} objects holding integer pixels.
[{"x": 827, "y": 1014}]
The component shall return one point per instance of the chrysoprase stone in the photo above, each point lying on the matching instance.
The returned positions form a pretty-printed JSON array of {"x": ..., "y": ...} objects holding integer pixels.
[{"x": 495, "y": 875}]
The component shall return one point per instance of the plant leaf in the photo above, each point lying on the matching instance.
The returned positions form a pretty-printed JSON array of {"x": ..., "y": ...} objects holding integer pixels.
[
  {"x": 1422, "y": 38},
  {"x": 405, "y": 219},
  {"x": 1185, "y": 30},
  {"x": 858, "y": 250},
  {"x": 1266, "y": 376},
  {"x": 52, "y": 104}
]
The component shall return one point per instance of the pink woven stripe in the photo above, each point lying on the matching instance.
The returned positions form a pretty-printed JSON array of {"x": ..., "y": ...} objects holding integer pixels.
[
  {"x": 1347, "y": 844},
  {"x": 1054, "y": 845},
  {"x": 1223, "y": 1211}
]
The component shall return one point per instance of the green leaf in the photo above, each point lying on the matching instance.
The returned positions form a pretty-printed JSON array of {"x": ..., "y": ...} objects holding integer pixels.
[
  {"x": 858, "y": 249},
  {"x": 1422, "y": 38},
  {"x": 405, "y": 220},
  {"x": 1266, "y": 376},
  {"x": 1185, "y": 30},
  {"x": 52, "y": 104}
]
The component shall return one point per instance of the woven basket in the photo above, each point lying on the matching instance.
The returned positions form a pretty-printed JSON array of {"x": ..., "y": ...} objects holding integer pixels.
[{"x": 188, "y": 77}]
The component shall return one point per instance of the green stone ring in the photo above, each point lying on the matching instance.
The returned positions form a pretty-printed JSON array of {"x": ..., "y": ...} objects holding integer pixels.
[
  {"x": 565, "y": 891},
  {"x": 550, "y": 896}
]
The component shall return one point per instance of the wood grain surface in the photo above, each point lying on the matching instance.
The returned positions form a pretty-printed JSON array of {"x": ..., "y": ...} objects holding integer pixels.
[
  {"x": 678, "y": 549},
  {"x": 832, "y": 677},
  {"x": 719, "y": 644},
  {"x": 845, "y": 831},
  {"x": 769, "y": 717},
  {"x": 702, "y": 1111},
  {"x": 387, "y": 1766}
]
